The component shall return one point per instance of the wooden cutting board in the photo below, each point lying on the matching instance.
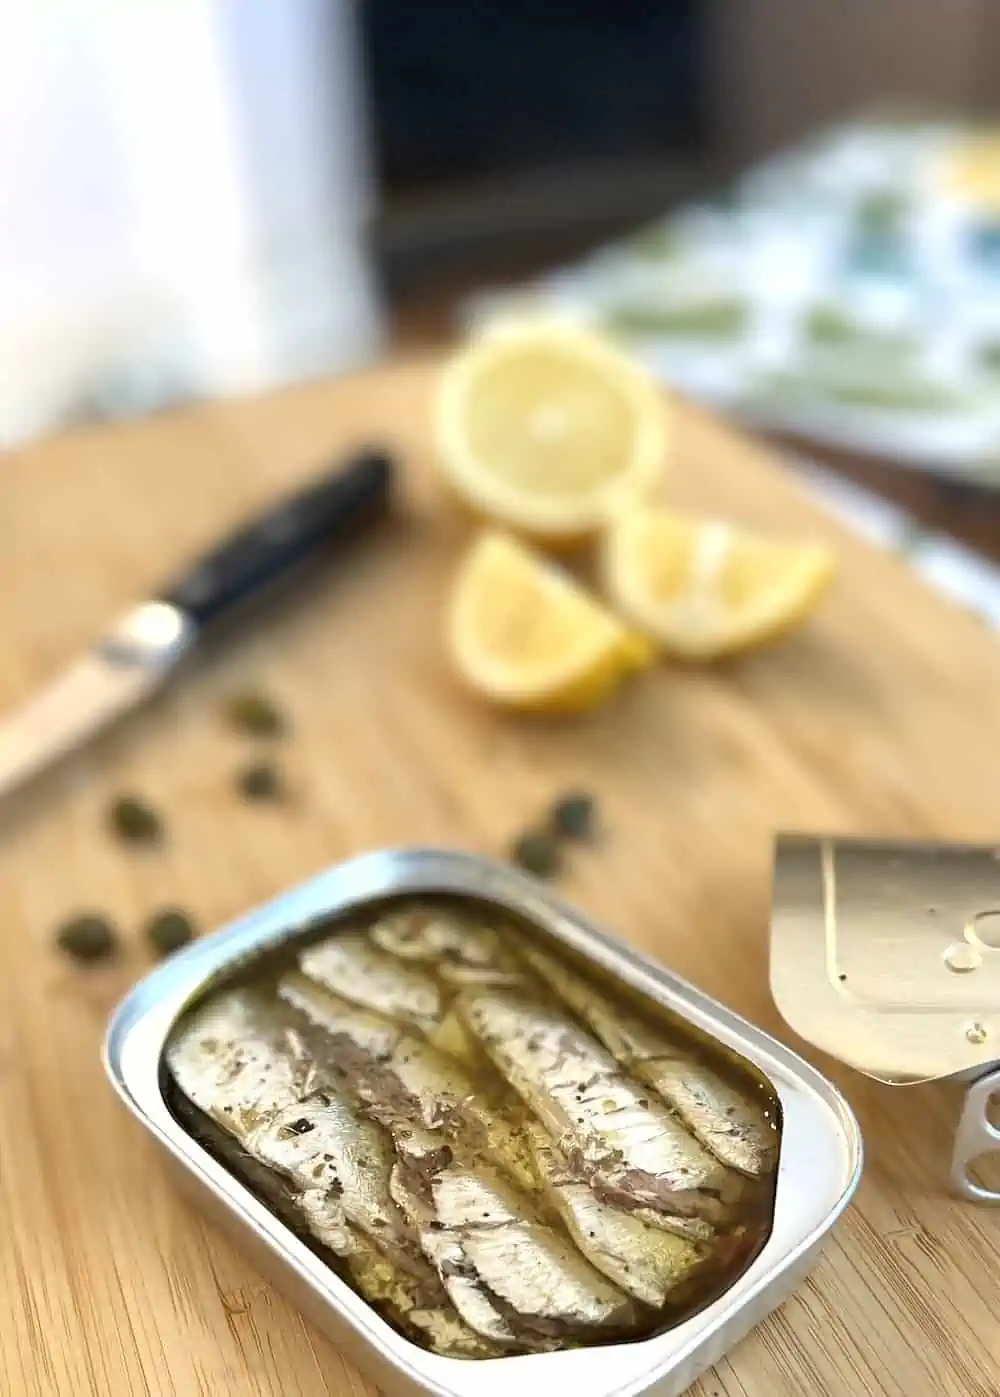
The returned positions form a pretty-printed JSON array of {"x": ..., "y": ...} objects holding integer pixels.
[{"x": 881, "y": 717}]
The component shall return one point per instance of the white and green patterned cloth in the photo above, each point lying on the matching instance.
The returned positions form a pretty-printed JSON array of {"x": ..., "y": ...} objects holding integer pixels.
[{"x": 839, "y": 291}]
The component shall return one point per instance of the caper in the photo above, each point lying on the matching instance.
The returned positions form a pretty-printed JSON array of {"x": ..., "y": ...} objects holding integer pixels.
[
  {"x": 135, "y": 821},
  {"x": 573, "y": 815},
  {"x": 262, "y": 781},
  {"x": 537, "y": 852},
  {"x": 254, "y": 713},
  {"x": 169, "y": 930},
  {"x": 87, "y": 937}
]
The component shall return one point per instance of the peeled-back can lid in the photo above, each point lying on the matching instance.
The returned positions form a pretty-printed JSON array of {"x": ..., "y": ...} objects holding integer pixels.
[{"x": 887, "y": 955}]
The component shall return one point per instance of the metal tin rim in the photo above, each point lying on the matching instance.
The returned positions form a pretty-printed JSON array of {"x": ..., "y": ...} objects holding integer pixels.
[{"x": 821, "y": 1142}]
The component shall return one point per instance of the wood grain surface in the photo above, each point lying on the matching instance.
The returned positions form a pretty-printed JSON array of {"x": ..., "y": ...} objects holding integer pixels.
[{"x": 881, "y": 717}]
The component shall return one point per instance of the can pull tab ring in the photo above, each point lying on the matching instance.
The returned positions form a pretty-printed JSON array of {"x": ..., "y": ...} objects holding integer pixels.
[{"x": 976, "y": 1136}]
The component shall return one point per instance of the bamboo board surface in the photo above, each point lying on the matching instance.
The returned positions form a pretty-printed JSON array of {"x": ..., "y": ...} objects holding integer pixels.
[{"x": 881, "y": 717}]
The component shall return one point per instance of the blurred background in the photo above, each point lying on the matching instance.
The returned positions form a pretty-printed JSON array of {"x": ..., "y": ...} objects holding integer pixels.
[{"x": 207, "y": 199}]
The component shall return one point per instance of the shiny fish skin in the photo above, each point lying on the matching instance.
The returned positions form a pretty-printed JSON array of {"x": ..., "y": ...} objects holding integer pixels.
[
  {"x": 483, "y": 1225},
  {"x": 239, "y": 1061},
  {"x": 433, "y": 935},
  {"x": 727, "y": 1122},
  {"x": 534, "y": 1271},
  {"x": 734, "y": 1128},
  {"x": 350, "y": 965},
  {"x": 398, "y": 1074},
  {"x": 470, "y": 1297},
  {"x": 223, "y": 1059},
  {"x": 629, "y": 1147},
  {"x": 242, "y": 1063},
  {"x": 503, "y": 1162},
  {"x": 691, "y": 1228},
  {"x": 410, "y": 1190},
  {"x": 416, "y": 1305},
  {"x": 509, "y": 1275},
  {"x": 459, "y": 954},
  {"x": 642, "y": 1259}
]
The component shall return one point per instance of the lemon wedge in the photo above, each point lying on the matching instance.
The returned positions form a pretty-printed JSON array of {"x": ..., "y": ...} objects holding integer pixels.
[
  {"x": 548, "y": 429},
  {"x": 703, "y": 588},
  {"x": 526, "y": 635}
]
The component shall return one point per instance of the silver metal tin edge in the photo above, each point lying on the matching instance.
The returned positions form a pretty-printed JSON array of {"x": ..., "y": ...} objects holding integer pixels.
[{"x": 819, "y": 1167}]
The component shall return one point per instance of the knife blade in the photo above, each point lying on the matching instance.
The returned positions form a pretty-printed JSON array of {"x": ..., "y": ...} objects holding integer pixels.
[{"x": 139, "y": 652}]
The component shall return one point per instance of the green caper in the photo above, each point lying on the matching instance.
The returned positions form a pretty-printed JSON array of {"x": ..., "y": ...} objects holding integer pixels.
[
  {"x": 537, "y": 852},
  {"x": 135, "y": 821},
  {"x": 573, "y": 815},
  {"x": 169, "y": 930},
  {"x": 262, "y": 781},
  {"x": 87, "y": 937},
  {"x": 256, "y": 714}
]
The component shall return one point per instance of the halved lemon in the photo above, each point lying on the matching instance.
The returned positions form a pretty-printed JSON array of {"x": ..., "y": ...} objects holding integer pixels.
[
  {"x": 703, "y": 588},
  {"x": 526, "y": 635},
  {"x": 548, "y": 429}
]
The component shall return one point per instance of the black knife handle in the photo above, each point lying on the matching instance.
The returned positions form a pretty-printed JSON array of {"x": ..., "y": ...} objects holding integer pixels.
[{"x": 329, "y": 511}]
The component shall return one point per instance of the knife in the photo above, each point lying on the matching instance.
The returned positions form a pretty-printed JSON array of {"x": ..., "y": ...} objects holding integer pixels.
[{"x": 142, "y": 649}]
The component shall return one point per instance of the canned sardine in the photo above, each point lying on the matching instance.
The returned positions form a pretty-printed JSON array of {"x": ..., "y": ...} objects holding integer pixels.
[{"x": 500, "y": 1135}]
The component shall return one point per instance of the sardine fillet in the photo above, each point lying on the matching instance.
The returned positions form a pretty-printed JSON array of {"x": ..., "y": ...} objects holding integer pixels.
[
  {"x": 239, "y": 1060},
  {"x": 444, "y": 1251},
  {"x": 437, "y": 936},
  {"x": 544, "y": 1281},
  {"x": 351, "y": 965},
  {"x": 417, "y": 1306},
  {"x": 630, "y": 1148},
  {"x": 400, "y": 1075},
  {"x": 728, "y": 1122},
  {"x": 644, "y": 1260},
  {"x": 734, "y": 1128},
  {"x": 510, "y": 1276}
]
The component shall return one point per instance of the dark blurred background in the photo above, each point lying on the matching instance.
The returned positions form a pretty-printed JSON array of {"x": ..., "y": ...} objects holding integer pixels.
[
  {"x": 502, "y": 130},
  {"x": 508, "y": 135}
]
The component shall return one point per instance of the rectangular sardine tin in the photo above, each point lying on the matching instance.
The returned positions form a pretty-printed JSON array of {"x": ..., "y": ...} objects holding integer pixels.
[{"x": 818, "y": 1165}]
